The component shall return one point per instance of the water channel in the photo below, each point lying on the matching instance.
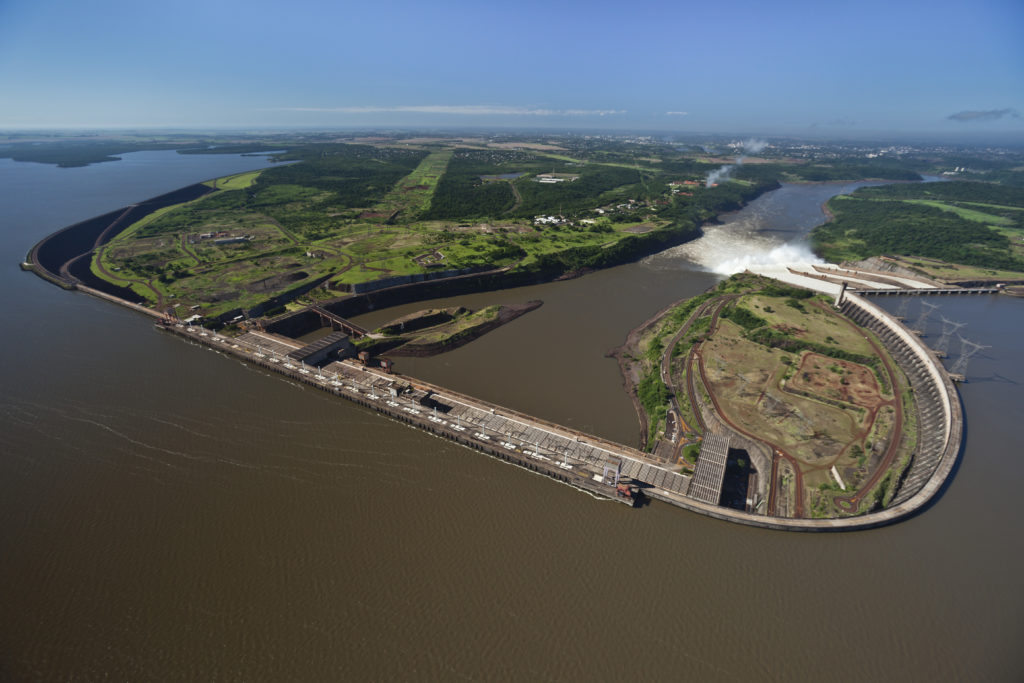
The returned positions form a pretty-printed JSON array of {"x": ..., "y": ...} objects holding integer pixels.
[{"x": 167, "y": 513}]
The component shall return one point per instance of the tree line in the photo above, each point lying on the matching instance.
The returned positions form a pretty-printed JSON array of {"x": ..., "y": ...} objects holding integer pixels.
[{"x": 863, "y": 228}]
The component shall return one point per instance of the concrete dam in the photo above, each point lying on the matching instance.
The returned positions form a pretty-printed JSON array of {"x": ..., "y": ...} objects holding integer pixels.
[{"x": 596, "y": 465}]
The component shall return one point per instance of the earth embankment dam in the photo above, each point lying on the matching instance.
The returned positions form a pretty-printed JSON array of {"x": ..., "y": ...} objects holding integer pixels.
[{"x": 63, "y": 257}]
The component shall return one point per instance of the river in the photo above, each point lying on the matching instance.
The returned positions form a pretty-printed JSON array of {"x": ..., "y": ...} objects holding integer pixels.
[{"x": 168, "y": 513}]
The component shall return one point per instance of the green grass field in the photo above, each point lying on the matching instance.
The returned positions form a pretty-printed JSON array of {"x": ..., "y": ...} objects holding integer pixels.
[
  {"x": 353, "y": 212},
  {"x": 235, "y": 182},
  {"x": 969, "y": 214},
  {"x": 413, "y": 193}
]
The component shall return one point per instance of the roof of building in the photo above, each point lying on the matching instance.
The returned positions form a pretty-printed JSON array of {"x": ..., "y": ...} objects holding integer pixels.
[{"x": 333, "y": 339}]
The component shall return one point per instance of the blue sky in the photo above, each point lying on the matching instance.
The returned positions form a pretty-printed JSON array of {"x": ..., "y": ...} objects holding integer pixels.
[{"x": 726, "y": 66}]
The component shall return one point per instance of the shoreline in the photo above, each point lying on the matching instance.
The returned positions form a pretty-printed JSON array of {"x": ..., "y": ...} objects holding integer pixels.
[
  {"x": 500, "y": 279},
  {"x": 927, "y": 472},
  {"x": 907, "y": 509},
  {"x": 506, "y": 314},
  {"x": 630, "y": 381},
  {"x": 74, "y": 242}
]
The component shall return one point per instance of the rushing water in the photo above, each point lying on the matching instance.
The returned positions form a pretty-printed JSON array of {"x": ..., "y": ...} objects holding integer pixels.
[
  {"x": 169, "y": 513},
  {"x": 770, "y": 231}
]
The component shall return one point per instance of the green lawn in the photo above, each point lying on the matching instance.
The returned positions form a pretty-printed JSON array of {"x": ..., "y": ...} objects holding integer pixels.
[
  {"x": 969, "y": 214},
  {"x": 235, "y": 182},
  {"x": 413, "y": 193}
]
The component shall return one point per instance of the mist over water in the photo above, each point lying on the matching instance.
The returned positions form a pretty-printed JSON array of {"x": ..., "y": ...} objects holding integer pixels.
[
  {"x": 726, "y": 250},
  {"x": 771, "y": 231}
]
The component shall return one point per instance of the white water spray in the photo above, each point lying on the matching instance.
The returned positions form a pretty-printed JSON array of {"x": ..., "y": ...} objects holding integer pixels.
[
  {"x": 730, "y": 249},
  {"x": 781, "y": 256}
]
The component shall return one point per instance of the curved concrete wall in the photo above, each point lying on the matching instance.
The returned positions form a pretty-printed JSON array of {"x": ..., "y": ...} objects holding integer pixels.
[
  {"x": 904, "y": 506},
  {"x": 935, "y": 369},
  {"x": 934, "y": 462}
]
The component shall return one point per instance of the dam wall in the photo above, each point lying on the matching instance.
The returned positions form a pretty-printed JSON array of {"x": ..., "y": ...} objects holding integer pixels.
[
  {"x": 588, "y": 454},
  {"x": 411, "y": 402},
  {"x": 51, "y": 254},
  {"x": 538, "y": 445},
  {"x": 940, "y": 419}
]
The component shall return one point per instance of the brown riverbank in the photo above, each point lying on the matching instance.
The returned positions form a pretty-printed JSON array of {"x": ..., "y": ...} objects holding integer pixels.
[{"x": 629, "y": 368}]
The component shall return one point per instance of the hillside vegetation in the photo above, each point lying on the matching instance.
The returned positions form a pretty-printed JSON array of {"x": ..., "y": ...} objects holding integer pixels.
[
  {"x": 347, "y": 217},
  {"x": 971, "y": 223},
  {"x": 343, "y": 217}
]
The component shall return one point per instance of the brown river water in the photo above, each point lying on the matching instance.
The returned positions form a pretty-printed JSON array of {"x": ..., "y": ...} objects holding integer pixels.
[{"x": 169, "y": 513}]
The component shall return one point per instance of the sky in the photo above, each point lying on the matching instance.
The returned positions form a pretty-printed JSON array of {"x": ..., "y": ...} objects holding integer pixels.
[{"x": 943, "y": 67}]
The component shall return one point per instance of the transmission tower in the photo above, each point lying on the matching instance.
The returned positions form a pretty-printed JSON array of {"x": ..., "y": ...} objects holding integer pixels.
[
  {"x": 967, "y": 351},
  {"x": 901, "y": 310},
  {"x": 948, "y": 328},
  {"x": 926, "y": 310}
]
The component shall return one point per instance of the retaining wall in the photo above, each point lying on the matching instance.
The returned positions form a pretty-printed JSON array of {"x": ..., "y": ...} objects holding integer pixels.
[{"x": 940, "y": 418}]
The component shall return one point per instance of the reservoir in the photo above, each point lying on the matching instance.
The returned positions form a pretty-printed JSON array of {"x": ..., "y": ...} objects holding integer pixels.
[{"x": 169, "y": 513}]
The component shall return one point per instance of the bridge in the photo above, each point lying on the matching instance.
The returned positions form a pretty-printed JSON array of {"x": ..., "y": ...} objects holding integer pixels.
[
  {"x": 337, "y": 322},
  {"x": 926, "y": 291}
]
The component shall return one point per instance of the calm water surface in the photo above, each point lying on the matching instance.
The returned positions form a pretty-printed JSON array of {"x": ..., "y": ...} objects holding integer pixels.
[{"x": 167, "y": 513}]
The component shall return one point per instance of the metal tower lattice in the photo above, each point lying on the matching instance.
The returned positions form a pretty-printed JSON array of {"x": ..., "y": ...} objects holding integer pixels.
[
  {"x": 901, "y": 310},
  {"x": 948, "y": 328},
  {"x": 967, "y": 350},
  {"x": 926, "y": 310}
]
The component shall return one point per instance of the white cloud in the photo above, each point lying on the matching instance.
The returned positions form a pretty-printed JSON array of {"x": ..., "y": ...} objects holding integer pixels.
[
  {"x": 677, "y": 113},
  {"x": 461, "y": 110}
]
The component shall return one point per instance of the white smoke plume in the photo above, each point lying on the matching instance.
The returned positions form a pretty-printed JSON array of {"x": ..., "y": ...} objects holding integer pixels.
[
  {"x": 750, "y": 146},
  {"x": 753, "y": 146},
  {"x": 719, "y": 174}
]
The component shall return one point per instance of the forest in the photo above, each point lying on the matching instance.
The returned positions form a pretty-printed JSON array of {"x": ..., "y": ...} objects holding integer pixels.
[
  {"x": 461, "y": 193},
  {"x": 380, "y": 208},
  {"x": 953, "y": 191},
  {"x": 591, "y": 190},
  {"x": 77, "y": 153},
  {"x": 354, "y": 175},
  {"x": 863, "y": 228}
]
